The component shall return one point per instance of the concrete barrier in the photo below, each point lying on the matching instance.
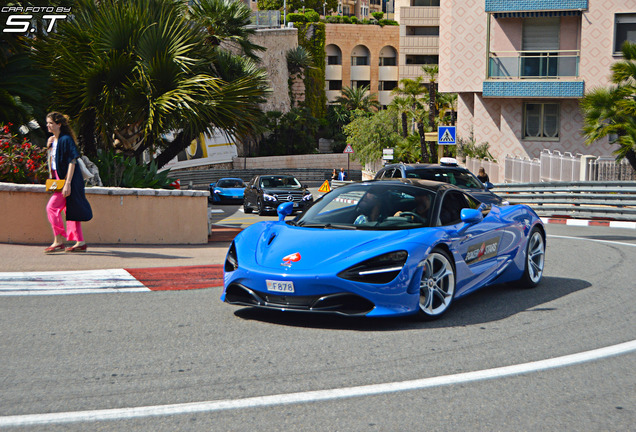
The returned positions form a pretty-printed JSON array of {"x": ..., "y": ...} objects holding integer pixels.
[{"x": 120, "y": 215}]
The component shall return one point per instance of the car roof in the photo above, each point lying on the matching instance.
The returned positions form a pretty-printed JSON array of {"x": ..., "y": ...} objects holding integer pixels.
[
  {"x": 425, "y": 165},
  {"x": 433, "y": 186},
  {"x": 230, "y": 178}
]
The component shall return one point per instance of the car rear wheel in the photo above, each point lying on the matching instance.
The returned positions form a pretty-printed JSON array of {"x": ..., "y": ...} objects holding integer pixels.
[
  {"x": 437, "y": 286},
  {"x": 535, "y": 260}
]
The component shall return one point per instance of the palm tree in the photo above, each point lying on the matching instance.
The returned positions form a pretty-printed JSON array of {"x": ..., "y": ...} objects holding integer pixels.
[
  {"x": 446, "y": 105},
  {"x": 142, "y": 66},
  {"x": 401, "y": 105},
  {"x": 415, "y": 94},
  {"x": 226, "y": 21},
  {"x": 612, "y": 111},
  {"x": 298, "y": 60},
  {"x": 358, "y": 98}
]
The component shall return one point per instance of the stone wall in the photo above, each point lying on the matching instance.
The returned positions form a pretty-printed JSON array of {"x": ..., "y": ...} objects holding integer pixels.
[
  {"x": 120, "y": 215},
  {"x": 326, "y": 161}
]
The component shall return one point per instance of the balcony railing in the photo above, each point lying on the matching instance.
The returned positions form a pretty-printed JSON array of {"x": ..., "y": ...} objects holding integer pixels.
[{"x": 533, "y": 65}]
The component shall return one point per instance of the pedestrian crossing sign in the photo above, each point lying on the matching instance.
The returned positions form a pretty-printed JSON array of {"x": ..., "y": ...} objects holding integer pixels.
[
  {"x": 325, "y": 187},
  {"x": 446, "y": 135}
]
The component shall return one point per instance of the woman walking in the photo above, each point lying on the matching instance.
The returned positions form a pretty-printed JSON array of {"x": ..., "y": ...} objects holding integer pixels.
[{"x": 63, "y": 155}]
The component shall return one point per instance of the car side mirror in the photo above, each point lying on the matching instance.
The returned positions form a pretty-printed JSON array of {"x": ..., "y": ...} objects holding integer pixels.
[
  {"x": 470, "y": 217},
  {"x": 489, "y": 185},
  {"x": 212, "y": 185},
  {"x": 284, "y": 210}
]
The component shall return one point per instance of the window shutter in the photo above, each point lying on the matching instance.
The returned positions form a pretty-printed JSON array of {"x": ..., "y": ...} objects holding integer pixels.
[{"x": 540, "y": 34}]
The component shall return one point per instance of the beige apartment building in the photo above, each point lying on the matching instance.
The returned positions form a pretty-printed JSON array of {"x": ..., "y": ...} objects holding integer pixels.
[{"x": 419, "y": 35}]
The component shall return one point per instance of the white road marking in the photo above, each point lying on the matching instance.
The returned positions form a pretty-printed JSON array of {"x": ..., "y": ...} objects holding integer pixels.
[
  {"x": 215, "y": 211},
  {"x": 594, "y": 240},
  {"x": 68, "y": 282},
  {"x": 315, "y": 396}
]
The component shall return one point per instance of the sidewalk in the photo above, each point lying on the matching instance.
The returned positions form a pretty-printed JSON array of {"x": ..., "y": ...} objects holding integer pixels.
[{"x": 31, "y": 258}]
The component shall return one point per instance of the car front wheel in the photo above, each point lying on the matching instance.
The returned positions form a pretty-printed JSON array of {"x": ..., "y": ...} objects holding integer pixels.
[
  {"x": 437, "y": 285},
  {"x": 535, "y": 260}
]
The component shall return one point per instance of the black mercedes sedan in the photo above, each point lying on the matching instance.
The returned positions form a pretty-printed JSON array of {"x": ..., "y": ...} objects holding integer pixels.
[{"x": 264, "y": 193}]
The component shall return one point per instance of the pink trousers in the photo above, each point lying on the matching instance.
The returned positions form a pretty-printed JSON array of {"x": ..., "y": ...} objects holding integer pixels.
[{"x": 54, "y": 209}]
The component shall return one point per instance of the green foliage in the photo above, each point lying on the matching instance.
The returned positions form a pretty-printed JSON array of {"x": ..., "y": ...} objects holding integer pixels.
[
  {"x": 296, "y": 18},
  {"x": 612, "y": 111},
  {"x": 346, "y": 20},
  {"x": 312, "y": 16},
  {"x": 117, "y": 170},
  {"x": 311, "y": 36},
  {"x": 468, "y": 147},
  {"x": 354, "y": 20},
  {"x": 388, "y": 22},
  {"x": 290, "y": 133},
  {"x": 408, "y": 150},
  {"x": 377, "y": 15},
  {"x": 369, "y": 133}
]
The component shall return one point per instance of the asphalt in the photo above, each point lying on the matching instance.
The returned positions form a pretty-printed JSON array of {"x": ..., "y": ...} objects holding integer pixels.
[{"x": 31, "y": 258}]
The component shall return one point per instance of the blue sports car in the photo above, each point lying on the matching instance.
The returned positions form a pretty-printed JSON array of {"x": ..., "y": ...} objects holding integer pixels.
[
  {"x": 384, "y": 248},
  {"x": 227, "y": 190}
]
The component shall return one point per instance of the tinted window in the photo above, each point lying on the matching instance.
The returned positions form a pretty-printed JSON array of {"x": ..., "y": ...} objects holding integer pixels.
[
  {"x": 463, "y": 179},
  {"x": 452, "y": 206}
]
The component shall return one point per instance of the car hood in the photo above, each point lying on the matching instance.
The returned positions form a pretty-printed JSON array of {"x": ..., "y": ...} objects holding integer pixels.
[
  {"x": 230, "y": 191},
  {"x": 318, "y": 248}
]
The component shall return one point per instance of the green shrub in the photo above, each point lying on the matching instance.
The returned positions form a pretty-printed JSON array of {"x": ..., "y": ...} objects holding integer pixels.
[
  {"x": 118, "y": 170},
  {"x": 377, "y": 15},
  {"x": 296, "y": 17},
  {"x": 312, "y": 16},
  {"x": 354, "y": 20},
  {"x": 346, "y": 20}
]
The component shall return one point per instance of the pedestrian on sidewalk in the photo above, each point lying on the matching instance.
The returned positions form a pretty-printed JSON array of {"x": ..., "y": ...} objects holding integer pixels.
[{"x": 63, "y": 154}]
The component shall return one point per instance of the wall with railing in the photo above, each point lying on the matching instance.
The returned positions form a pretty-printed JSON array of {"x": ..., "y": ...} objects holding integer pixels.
[{"x": 554, "y": 166}]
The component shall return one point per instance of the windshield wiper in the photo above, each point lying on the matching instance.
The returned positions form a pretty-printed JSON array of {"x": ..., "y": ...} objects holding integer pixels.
[{"x": 327, "y": 225}]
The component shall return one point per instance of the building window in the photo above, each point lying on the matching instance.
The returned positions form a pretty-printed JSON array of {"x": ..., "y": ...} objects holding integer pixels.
[
  {"x": 359, "y": 61},
  {"x": 422, "y": 59},
  {"x": 333, "y": 60},
  {"x": 360, "y": 84},
  {"x": 624, "y": 30},
  {"x": 334, "y": 85},
  {"x": 387, "y": 61},
  {"x": 541, "y": 121},
  {"x": 425, "y": 3},
  {"x": 422, "y": 31},
  {"x": 387, "y": 85}
]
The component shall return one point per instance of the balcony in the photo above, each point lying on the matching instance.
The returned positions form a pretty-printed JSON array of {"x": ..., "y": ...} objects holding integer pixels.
[
  {"x": 533, "y": 65},
  {"x": 534, "y": 5}
]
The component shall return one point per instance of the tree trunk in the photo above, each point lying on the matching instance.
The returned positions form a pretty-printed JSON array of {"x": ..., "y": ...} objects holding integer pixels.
[
  {"x": 405, "y": 127},
  {"x": 86, "y": 136},
  {"x": 422, "y": 133},
  {"x": 179, "y": 143},
  {"x": 631, "y": 158}
]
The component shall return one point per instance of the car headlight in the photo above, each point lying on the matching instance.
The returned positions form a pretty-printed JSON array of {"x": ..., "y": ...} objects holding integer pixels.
[
  {"x": 217, "y": 191},
  {"x": 379, "y": 270},
  {"x": 269, "y": 197},
  {"x": 231, "y": 259},
  {"x": 307, "y": 197}
]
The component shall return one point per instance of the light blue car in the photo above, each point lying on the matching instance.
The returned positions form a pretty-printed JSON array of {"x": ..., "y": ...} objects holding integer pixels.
[{"x": 227, "y": 190}]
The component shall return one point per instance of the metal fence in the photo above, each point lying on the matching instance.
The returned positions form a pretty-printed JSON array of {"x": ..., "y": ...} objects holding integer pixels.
[
  {"x": 491, "y": 168},
  {"x": 596, "y": 200},
  {"x": 554, "y": 166},
  {"x": 265, "y": 19}
]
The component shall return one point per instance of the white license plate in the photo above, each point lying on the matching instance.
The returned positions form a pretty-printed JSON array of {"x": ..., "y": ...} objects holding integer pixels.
[
  {"x": 295, "y": 204},
  {"x": 280, "y": 286}
]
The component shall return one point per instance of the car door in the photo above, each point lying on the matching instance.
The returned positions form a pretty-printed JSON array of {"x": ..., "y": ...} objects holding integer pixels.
[{"x": 476, "y": 249}]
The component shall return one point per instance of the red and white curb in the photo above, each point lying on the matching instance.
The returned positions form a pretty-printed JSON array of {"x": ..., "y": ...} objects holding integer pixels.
[
  {"x": 583, "y": 222},
  {"x": 110, "y": 280}
]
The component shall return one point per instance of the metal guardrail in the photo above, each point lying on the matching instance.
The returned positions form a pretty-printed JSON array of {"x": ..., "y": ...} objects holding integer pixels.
[{"x": 584, "y": 200}]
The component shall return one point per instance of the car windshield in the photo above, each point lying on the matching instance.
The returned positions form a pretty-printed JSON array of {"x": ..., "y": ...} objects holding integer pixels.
[
  {"x": 462, "y": 179},
  {"x": 373, "y": 206},
  {"x": 231, "y": 183},
  {"x": 280, "y": 182}
]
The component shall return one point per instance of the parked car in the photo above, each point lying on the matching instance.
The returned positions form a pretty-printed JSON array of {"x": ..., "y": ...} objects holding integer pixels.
[
  {"x": 448, "y": 171},
  {"x": 384, "y": 248},
  {"x": 264, "y": 193},
  {"x": 228, "y": 189}
]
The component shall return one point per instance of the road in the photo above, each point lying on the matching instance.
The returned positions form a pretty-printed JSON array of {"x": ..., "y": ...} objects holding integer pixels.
[{"x": 162, "y": 352}]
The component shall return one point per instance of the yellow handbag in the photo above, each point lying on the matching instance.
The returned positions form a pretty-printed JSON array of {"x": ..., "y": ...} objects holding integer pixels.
[{"x": 54, "y": 185}]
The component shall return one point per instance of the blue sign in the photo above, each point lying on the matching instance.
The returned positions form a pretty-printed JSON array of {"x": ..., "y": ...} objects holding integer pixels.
[{"x": 446, "y": 135}]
